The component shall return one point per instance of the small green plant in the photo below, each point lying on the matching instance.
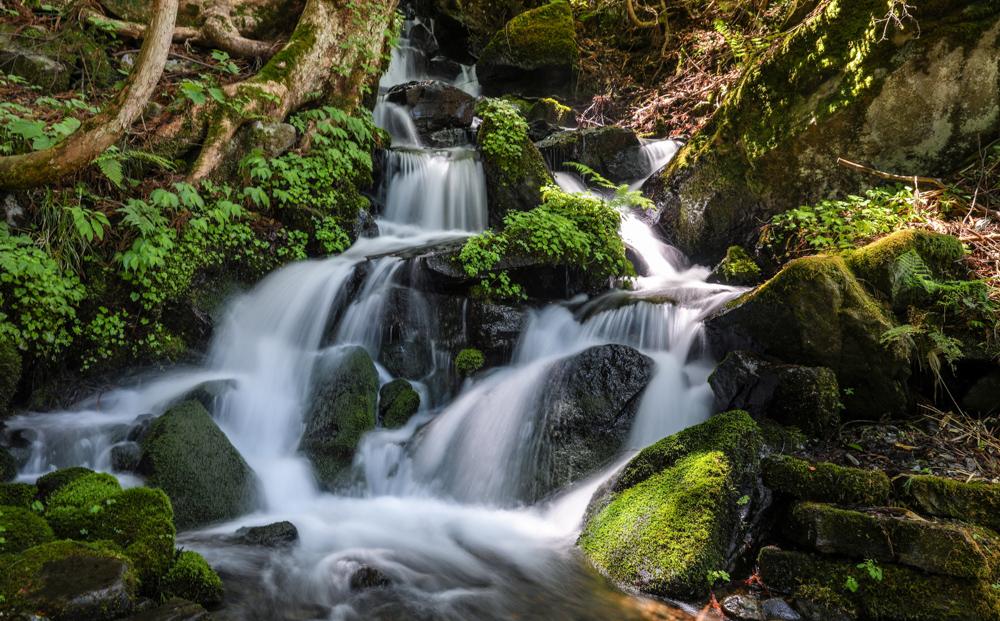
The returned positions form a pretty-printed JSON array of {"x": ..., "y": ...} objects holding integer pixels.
[
  {"x": 468, "y": 361},
  {"x": 851, "y": 584},
  {"x": 870, "y": 566},
  {"x": 743, "y": 500},
  {"x": 505, "y": 140},
  {"x": 717, "y": 575}
]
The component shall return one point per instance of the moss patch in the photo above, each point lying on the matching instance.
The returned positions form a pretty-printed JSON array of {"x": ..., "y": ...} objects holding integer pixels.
[
  {"x": 17, "y": 494},
  {"x": 21, "y": 529},
  {"x": 976, "y": 502},
  {"x": 397, "y": 403},
  {"x": 738, "y": 268},
  {"x": 824, "y": 482},
  {"x": 191, "y": 578},
  {"x": 537, "y": 38}
]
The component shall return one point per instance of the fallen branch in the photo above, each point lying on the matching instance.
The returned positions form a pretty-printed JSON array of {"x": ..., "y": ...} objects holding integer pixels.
[
  {"x": 107, "y": 127},
  {"x": 891, "y": 177}
]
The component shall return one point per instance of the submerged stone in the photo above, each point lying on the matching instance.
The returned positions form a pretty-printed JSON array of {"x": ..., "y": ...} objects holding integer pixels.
[
  {"x": 677, "y": 511},
  {"x": 397, "y": 403},
  {"x": 276, "y": 535}
]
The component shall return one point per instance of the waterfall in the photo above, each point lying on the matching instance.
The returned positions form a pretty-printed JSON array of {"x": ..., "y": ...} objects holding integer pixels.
[{"x": 438, "y": 508}]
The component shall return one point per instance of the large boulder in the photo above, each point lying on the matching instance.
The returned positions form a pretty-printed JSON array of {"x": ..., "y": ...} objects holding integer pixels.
[
  {"x": 679, "y": 509},
  {"x": 343, "y": 409},
  {"x": 816, "y": 313},
  {"x": 68, "y": 580},
  {"x": 612, "y": 152},
  {"x": 515, "y": 170},
  {"x": 187, "y": 456},
  {"x": 534, "y": 54},
  {"x": 806, "y": 397},
  {"x": 476, "y": 20},
  {"x": 590, "y": 402},
  {"x": 434, "y": 106},
  {"x": 916, "y": 101}
]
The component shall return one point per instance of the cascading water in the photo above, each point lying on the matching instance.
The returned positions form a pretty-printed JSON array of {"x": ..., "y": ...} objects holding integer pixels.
[{"x": 439, "y": 511}]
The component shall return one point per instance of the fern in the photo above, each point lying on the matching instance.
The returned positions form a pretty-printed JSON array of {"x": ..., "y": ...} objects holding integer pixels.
[
  {"x": 112, "y": 162},
  {"x": 910, "y": 272}
]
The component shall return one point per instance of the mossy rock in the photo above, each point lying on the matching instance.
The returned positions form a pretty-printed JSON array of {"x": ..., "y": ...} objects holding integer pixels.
[
  {"x": 737, "y": 268},
  {"x": 68, "y": 580},
  {"x": 188, "y": 457},
  {"x": 8, "y": 465},
  {"x": 85, "y": 491},
  {"x": 976, "y": 502},
  {"x": 469, "y": 361},
  {"x": 192, "y": 578},
  {"x": 915, "y": 102},
  {"x": 903, "y": 594},
  {"x": 480, "y": 18},
  {"x": 17, "y": 494},
  {"x": 674, "y": 513},
  {"x": 825, "y": 482},
  {"x": 895, "y": 536},
  {"x": 612, "y": 152},
  {"x": 514, "y": 168},
  {"x": 52, "y": 482},
  {"x": 397, "y": 403},
  {"x": 343, "y": 409},
  {"x": 10, "y": 376},
  {"x": 534, "y": 54},
  {"x": 814, "y": 312},
  {"x": 21, "y": 529}
]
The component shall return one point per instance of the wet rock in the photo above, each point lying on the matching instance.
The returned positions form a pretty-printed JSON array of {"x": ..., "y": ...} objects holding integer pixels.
[
  {"x": 901, "y": 594},
  {"x": 681, "y": 508},
  {"x": 901, "y": 104},
  {"x": 743, "y": 608},
  {"x": 70, "y": 581},
  {"x": 737, "y": 268},
  {"x": 449, "y": 138},
  {"x": 806, "y": 397},
  {"x": 189, "y": 457},
  {"x": 140, "y": 427},
  {"x": 824, "y": 482},
  {"x": 434, "y": 105},
  {"x": 276, "y": 535},
  {"x": 590, "y": 402},
  {"x": 343, "y": 408},
  {"x": 977, "y": 502},
  {"x": 174, "y": 609},
  {"x": 397, "y": 403},
  {"x": 777, "y": 609},
  {"x": 612, "y": 152},
  {"x": 125, "y": 456},
  {"x": 814, "y": 312},
  {"x": 367, "y": 577},
  {"x": 534, "y": 54},
  {"x": 495, "y": 330},
  {"x": 890, "y": 536}
]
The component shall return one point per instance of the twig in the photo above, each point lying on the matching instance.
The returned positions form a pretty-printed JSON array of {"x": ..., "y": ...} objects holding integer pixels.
[{"x": 889, "y": 176}]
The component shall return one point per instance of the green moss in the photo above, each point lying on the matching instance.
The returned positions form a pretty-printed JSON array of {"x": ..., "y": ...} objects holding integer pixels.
[
  {"x": 874, "y": 263},
  {"x": 674, "y": 510},
  {"x": 903, "y": 594},
  {"x": 8, "y": 465},
  {"x": 468, "y": 361},
  {"x": 192, "y": 579},
  {"x": 537, "y": 38},
  {"x": 52, "y": 482},
  {"x": 825, "y": 482},
  {"x": 10, "y": 375},
  {"x": 397, "y": 403},
  {"x": 85, "y": 492},
  {"x": 976, "y": 502},
  {"x": 738, "y": 268},
  {"x": 21, "y": 529},
  {"x": 17, "y": 494}
]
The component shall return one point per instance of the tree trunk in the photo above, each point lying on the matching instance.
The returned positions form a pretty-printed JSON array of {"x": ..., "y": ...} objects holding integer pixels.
[
  {"x": 106, "y": 128},
  {"x": 336, "y": 49}
]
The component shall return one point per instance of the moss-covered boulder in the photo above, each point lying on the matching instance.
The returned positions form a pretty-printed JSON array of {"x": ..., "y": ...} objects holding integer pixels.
[
  {"x": 343, "y": 409},
  {"x": 478, "y": 20},
  {"x": 675, "y": 513},
  {"x": 187, "y": 456},
  {"x": 612, "y": 152},
  {"x": 8, "y": 465},
  {"x": 902, "y": 593},
  {"x": 895, "y": 536},
  {"x": 805, "y": 397},
  {"x": 52, "y": 482},
  {"x": 919, "y": 100},
  {"x": 21, "y": 529},
  {"x": 10, "y": 375},
  {"x": 67, "y": 580},
  {"x": 825, "y": 482},
  {"x": 737, "y": 268},
  {"x": 815, "y": 312},
  {"x": 397, "y": 403},
  {"x": 976, "y": 502},
  {"x": 514, "y": 168},
  {"x": 17, "y": 494},
  {"x": 192, "y": 578},
  {"x": 534, "y": 54}
]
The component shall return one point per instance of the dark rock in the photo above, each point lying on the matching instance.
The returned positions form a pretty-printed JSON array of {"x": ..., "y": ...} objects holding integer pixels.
[
  {"x": 612, "y": 152},
  {"x": 10, "y": 375},
  {"x": 343, "y": 409},
  {"x": 397, "y": 403},
  {"x": 588, "y": 409},
  {"x": 977, "y": 502},
  {"x": 189, "y": 457},
  {"x": 275, "y": 535},
  {"x": 421, "y": 37},
  {"x": 449, "y": 138},
  {"x": 534, "y": 54},
  {"x": 434, "y": 105},
  {"x": 806, "y": 397},
  {"x": 777, "y": 609},
  {"x": 983, "y": 397},
  {"x": 825, "y": 482},
  {"x": 743, "y": 608},
  {"x": 494, "y": 329},
  {"x": 174, "y": 609},
  {"x": 816, "y": 313},
  {"x": 367, "y": 577},
  {"x": 140, "y": 427},
  {"x": 8, "y": 465},
  {"x": 125, "y": 456}
]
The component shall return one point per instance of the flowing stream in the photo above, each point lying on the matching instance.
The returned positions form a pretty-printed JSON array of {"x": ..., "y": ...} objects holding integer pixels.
[{"x": 439, "y": 509}]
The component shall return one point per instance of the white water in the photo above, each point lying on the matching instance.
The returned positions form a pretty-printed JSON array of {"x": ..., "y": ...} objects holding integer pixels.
[{"x": 438, "y": 509}]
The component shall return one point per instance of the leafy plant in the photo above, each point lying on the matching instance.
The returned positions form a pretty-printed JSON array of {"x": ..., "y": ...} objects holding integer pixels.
[{"x": 716, "y": 576}]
